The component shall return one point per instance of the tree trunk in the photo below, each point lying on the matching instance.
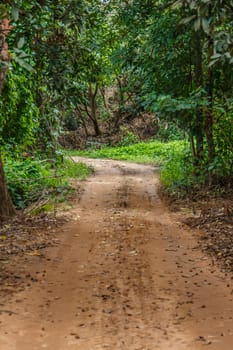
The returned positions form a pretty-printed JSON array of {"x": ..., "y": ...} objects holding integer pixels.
[
  {"x": 84, "y": 126},
  {"x": 93, "y": 115},
  {"x": 197, "y": 151},
  {"x": 102, "y": 90},
  {"x": 196, "y": 81},
  {"x": 96, "y": 127},
  {"x": 121, "y": 93},
  {"x": 209, "y": 117},
  {"x": 209, "y": 123},
  {"x": 199, "y": 83},
  {"x": 200, "y": 145},
  {"x": 6, "y": 207}
]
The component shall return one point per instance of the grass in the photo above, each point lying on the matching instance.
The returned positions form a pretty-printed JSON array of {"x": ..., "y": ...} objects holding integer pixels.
[
  {"x": 173, "y": 157},
  {"x": 155, "y": 152},
  {"x": 35, "y": 180}
]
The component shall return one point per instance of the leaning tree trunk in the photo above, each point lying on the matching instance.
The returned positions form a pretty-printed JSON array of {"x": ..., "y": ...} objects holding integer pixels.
[{"x": 6, "y": 206}]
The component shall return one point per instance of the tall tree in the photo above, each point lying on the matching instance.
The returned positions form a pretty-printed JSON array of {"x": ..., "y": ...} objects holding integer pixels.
[{"x": 6, "y": 206}]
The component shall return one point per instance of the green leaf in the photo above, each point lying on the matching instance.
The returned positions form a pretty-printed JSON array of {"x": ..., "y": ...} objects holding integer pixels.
[
  {"x": 197, "y": 24},
  {"x": 23, "y": 64},
  {"x": 187, "y": 19},
  {"x": 176, "y": 4},
  {"x": 21, "y": 43},
  {"x": 216, "y": 56},
  {"x": 15, "y": 13},
  {"x": 205, "y": 25},
  {"x": 212, "y": 63}
]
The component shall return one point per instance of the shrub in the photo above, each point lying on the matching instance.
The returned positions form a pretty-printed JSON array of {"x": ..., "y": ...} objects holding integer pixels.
[{"x": 30, "y": 180}]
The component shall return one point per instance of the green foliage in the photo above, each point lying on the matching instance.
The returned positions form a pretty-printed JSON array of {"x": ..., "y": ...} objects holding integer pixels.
[
  {"x": 177, "y": 59},
  {"x": 127, "y": 137},
  {"x": 173, "y": 157},
  {"x": 18, "y": 112},
  {"x": 169, "y": 131},
  {"x": 30, "y": 180},
  {"x": 180, "y": 111},
  {"x": 170, "y": 58},
  {"x": 70, "y": 169},
  {"x": 177, "y": 171},
  {"x": 26, "y": 179},
  {"x": 58, "y": 50},
  {"x": 155, "y": 152}
]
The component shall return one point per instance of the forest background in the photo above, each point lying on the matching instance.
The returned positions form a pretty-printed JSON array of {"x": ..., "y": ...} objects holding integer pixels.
[{"x": 101, "y": 73}]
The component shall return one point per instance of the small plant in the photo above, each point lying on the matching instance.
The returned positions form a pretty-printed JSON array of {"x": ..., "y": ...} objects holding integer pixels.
[
  {"x": 169, "y": 131},
  {"x": 177, "y": 171},
  {"x": 128, "y": 137}
]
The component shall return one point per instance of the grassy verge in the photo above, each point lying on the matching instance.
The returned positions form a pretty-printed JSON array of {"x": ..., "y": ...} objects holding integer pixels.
[
  {"x": 41, "y": 181},
  {"x": 173, "y": 157},
  {"x": 155, "y": 152}
]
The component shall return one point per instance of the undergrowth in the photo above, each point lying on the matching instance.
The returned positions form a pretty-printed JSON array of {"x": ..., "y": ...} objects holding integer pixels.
[
  {"x": 34, "y": 180},
  {"x": 155, "y": 152},
  {"x": 173, "y": 157}
]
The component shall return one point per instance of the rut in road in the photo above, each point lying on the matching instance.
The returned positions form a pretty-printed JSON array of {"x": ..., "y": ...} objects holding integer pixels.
[{"x": 126, "y": 275}]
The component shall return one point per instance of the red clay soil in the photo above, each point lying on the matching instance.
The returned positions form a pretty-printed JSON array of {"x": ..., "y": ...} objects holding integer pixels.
[{"x": 126, "y": 275}]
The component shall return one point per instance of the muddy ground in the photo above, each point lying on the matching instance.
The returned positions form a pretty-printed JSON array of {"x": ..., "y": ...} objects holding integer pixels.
[{"x": 123, "y": 273}]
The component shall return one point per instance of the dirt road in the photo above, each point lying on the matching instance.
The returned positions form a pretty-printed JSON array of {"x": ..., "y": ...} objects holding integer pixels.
[{"x": 126, "y": 276}]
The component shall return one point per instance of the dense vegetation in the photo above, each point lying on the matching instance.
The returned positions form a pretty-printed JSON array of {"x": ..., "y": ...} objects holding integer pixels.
[
  {"x": 153, "y": 152},
  {"x": 41, "y": 183},
  {"x": 86, "y": 66},
  {"x": 173, "y": 159}
]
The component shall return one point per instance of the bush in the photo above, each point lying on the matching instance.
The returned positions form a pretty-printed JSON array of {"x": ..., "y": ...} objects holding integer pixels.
[
  {"x": 177, "y": 171},
  {"x": 169, "y": 132},
  {"x": 30, "y": 180},
  {"x": 127, "y": 137}
]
